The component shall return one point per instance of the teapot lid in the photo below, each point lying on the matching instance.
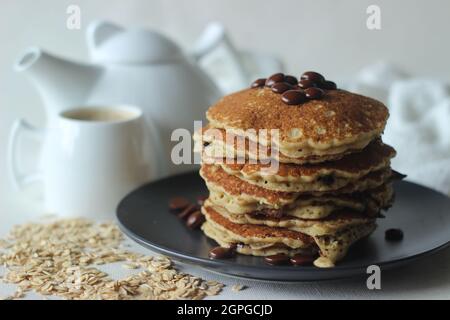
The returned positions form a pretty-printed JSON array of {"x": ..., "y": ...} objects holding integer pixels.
[{"x": 109, "y": 43}]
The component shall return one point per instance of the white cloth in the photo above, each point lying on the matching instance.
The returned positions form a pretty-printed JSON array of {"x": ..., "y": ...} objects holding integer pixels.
[{"x": 419, "y": 123}]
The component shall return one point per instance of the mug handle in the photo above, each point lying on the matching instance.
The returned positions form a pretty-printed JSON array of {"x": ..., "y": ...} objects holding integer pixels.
[{"x": 18, "y": 178}]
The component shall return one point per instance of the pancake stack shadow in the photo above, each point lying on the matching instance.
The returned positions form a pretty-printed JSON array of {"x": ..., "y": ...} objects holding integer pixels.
[{"x": 318, "y": 187}]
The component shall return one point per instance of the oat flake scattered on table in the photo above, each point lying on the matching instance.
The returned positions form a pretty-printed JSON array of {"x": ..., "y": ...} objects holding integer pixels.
[{"x": 59, "y": 259}]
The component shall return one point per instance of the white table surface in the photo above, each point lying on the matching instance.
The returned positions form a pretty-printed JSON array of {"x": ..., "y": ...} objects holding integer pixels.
[{"x": 428, "y": 278}]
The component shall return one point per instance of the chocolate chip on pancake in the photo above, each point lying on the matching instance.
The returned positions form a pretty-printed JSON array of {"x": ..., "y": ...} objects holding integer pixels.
[
  {"x": 313, "y": 93},
  {"x": 277, "y": 77},
  {"x": 281, "y": 87},
  {"x": 290, "y": 79},
  {"x": 313, "y": 76},
  {"x": 293, "y": 97},
  {"x": 305, "y": 84},
  {"x": 328, "y": 85},
  {"x": 258, "y": 83}
]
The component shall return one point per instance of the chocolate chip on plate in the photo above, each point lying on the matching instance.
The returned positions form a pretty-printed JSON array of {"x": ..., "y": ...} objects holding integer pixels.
[
  {"x": 258, "y": 83},
  {"x": 302, "y": 259},
  {"x": 328, "y": 85},
  {"x": 201, "y": 200},
  {"x": 195, "y": 220},
  {"x": 281, "y": 87},
  {"x": 293, "y": 97},
  {"x": 187, "y": 211},
  {"x": 277, "y": 259},
  {"x": 314, "y": 93},
  {"x": 305, "y": 84},
  {"x": 393, "y": 235},
  {"x": 178, "y": 204},
  {"x": 277, "y": 77},
  {"x": 221, "y": 253},
  {"x": 290, "y": 79}
]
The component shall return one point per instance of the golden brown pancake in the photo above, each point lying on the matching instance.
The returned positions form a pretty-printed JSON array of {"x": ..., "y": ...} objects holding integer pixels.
[
  {"x": 339, "y": 220},
  {"x": 307, "y": 206},
  {"x": 218, "y": 180},
  {"x": 331, "y": 125},
  {"x": 208, "y": 142},
  {"x": 331, "y": 175},
  {"x": 263, "y": 240}
]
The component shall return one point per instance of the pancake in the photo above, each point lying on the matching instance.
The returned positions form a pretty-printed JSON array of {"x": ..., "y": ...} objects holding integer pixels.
[
  {"x": 226, "y": 239},
  {"x": 214, "y": 145},
  {"x": 309, "y": 206},
  {"x": 338, "y": 221},
  {"x": 246, "y": 194},
  {"x": 325, "y": 176},
  {"x": 262, "y": 240},
  {"x": 248, "y": 233},
  {"x": 338, "y": 122}
]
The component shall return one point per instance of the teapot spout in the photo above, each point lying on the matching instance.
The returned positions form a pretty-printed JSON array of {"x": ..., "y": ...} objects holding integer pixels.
[{"x": 61, "y": 83}]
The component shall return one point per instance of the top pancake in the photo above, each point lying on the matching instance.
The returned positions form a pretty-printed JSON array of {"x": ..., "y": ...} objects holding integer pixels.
[{"x": 331, "y": 125}]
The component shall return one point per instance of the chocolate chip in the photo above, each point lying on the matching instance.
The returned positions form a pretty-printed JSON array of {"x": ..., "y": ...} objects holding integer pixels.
[
  {"x": 195, "y": 220},
  {"x": 328, "y": 85},
  {"x": 305, "y": 84},
  {"x": 201, "y": 200},
  {"x": 313, "y": 76},
  {"x": 281, "y": 87},
  {"x": 187, "y": 211},
  {"x": 393, "y": 235},
  {"x": 258, "y": 83},
  {"x": 290, "y": 79},
  {"x": 292, "y": 97},
  {"x": 314, "y": 93},
  {"x": 178, "y": 204},
  {"x": 264, "y": 213},
  {"x": 277, "y": 77},
  {"x": 327, "y": 180},
  {"x": 302, "y": 260},
  {"x": 221, "y": 253},
  {"x": 277, "y": 259}
]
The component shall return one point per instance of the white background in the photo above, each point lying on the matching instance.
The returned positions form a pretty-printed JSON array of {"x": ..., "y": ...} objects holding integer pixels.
[{"x": 328, "y": 35}]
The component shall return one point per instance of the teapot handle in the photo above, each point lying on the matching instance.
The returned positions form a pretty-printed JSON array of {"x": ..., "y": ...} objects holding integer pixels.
[
  {"x": 212, "y": 37},
  {"x": 18, "y": 178}
]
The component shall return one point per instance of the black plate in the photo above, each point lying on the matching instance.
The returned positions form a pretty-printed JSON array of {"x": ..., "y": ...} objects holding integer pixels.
[{"x": 422, "y": 214}]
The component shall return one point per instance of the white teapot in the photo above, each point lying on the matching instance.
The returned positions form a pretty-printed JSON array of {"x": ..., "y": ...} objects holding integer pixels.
[{"x": 130, "y": 66}]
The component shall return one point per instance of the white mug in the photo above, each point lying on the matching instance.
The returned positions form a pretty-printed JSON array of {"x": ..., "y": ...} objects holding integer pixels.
[{"x": 92, "y": 157}]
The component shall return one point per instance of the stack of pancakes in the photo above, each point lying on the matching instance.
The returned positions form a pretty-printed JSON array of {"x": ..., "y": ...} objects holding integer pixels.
[{"x": 332, "y": 176}]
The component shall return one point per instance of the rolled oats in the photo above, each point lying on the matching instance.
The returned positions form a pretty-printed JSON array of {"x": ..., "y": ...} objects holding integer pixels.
[{"x": 59, "y": 259}]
